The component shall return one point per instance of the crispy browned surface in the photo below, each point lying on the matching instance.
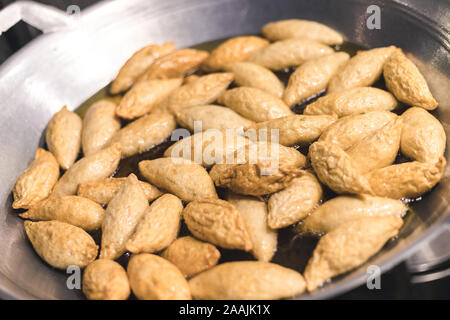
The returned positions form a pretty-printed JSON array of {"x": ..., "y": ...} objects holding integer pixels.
[
  {"x": 218, "y": 222},
  {"x": 37, "y": 181},
  {"x": 61, "y": 244},
  {"x": 154, "y": 278},
  {"x": 191, "y": 256},
  {"x": 406, "y": 82},
  {"x": 349, "y": 246},
  {"x": 233, "y": 50},
  {"x": 245, "y": 280},
  {"x": 105, "y": 280}
]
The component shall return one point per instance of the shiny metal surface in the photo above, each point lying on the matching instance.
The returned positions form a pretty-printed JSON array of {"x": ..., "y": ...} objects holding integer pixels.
[{"x": 68, "y": 66}]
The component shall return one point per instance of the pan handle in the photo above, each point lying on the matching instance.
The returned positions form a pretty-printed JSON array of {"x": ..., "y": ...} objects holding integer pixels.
[
  {"x": 43, "y": 17},
  {"x": 432, "y": 253}
]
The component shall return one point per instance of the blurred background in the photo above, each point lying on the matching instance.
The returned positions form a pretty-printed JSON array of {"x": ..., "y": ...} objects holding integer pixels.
[{"x": 400, "y": 283}]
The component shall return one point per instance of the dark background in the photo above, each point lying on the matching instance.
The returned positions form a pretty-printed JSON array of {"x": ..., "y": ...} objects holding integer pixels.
[{"x": 395, "y": 284}]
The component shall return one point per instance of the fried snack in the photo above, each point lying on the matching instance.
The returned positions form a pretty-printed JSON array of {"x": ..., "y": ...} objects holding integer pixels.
[
  {"x": 233, "y": 50},
  {"x": 337, "y": 170},
  {"x": 138, "y": 64},
  {"x": 144, "y": 133},
  {"x": 204, "y": 90},
  {"x": 144, "y": 96},
  {"x": 103, "y": 190},
  {"x": 99, "y": 125},
  {"x": 191, "y": 256},
  {"x": 249, "y": 179},
  {"x": 61, "y": 244},
  {"x": 406, "y": 180},
  {"x": 187, "y": 180},
  {"x": 99, "y": 165},
  {"x": 349, "y": 130},
  {"x": 295, "y": 129},
  {"x": 247, "y": 280},
  {"x": 289, "y": 53},
  {"x": 37, "y": 181},
  {"x": 254, "y": 213},
  {"x": 247, "y": 74},
  {"x": 63, "y": 137},
  {"x": 78, "y": 211},
  {"x": 361, "y": 70},
  {"x": 406, "y": 82},
  {"x": 211, "y": 117},
  {"x": 154, "y": 278},
  {"x": 423, "y": 137},
  {"x": 348, "y": 246},
  {"x": 301, "y": 29},
  {"x": 313, "y": 77},
  {"x": 105, "y": 279},
  {"x": 337, "y": 211},
  {"x": 218, "y": 222},
  {"x": 378, "y": 150},
  {"x": 159, "y": 226},
  {"x": 174, "y": 64},
  {"x": 295, "y": 202},
  {"x": 123, "y": 214},
  {"x": 254, "y": 104},
  {"x": 208, "y": 147},
  {"x": 352, "y": 101}
]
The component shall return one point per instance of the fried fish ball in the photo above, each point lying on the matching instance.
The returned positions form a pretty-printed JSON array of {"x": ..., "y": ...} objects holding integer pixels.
[
  {"x": 138, "y": 64},
  {"x": 105, "y": 279},
  {"x": 37, "y": 181},
  {"x": 99, "y": 165},
  {"x": 378, "y": 150},
  {"x": 361, "y": 70},
  {"x": 295, "y": 129},
  {"x": 123, "y": 214},
  {"x": 254, "y": 104},
  {"x": 78, "y": 211},
  {"x": 247, "y": 280},
  {"x": 63, "y": 137},
  {"x": 289, "y": 53},
  {"x": 184, "y": 178},
  {"x": 191, "y": 256},
  {"x": 247, "y": 74},
  {"x": 61, "y": 244},
  {"x": 204, "y": 90},
  {"x": 154, "y": 278},
  {"x": 352, "y": 101},
  {"x": 158, "y": 227},
  {"x": 99, "y": 125},
  {"x": 250, "y": 179},
  {"x": 423, "y": 137},
  {"x": 295, "y": 202},
  {"x": 144, "y": 96},
  {"x": 406, "y": 180},
  {"x": 312, "y": 77},
  {"x": 233, "y": 50},
  {"x": 103, "y": 190},
  {"x": 337, "y": 211},
  {"x": 207, "y": 147},
  {"x": 337, "y": 170},
  {"x": 218, "y": 222},
  {"x": 144, "y": 133},
  {"x": 211, "y": 117},
  {"x": 406, "y": 82},
  {"x": 347, "y": 131},
  {"x": 301, "y": 29},
  {"x": 174, "y": 64},
  {"x": 348, "y": 246},
  {"x": 254, "y": 213}
]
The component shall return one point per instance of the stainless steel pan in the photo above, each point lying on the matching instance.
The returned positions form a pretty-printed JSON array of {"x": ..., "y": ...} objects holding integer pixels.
[{"x": 78, "y": 55}]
